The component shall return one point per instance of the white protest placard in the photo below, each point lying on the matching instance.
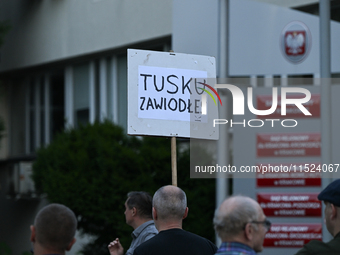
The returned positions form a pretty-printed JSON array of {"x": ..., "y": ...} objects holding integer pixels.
[{"x": 167, "y": 95}]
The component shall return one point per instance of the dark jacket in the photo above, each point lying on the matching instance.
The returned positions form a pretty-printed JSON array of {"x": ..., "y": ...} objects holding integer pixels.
[{"x": 315, "y": 247}]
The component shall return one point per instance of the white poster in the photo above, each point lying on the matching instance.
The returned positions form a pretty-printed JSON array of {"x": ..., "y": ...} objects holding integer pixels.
[
  {"x": 167, "y": 93},
  {"x": 172, "y": 94}
]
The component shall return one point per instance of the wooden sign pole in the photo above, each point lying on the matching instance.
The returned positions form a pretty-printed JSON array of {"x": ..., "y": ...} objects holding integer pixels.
[
  {"x": 153, "y": 110},
  {"x": 173, "y": 161},
  {"x": 173, "y": 158}
]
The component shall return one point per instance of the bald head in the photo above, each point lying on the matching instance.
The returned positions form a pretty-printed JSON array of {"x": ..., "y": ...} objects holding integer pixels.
[
  {"x": 233, "y": 214},
  {"x": 170, "y": 203}
]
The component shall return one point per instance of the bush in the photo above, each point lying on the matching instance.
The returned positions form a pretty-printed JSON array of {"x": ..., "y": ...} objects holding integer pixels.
[
  {"x": 4, "y": 249},
  {"x": 91, "y": 169},
  {"x": 4, "y": 29}
]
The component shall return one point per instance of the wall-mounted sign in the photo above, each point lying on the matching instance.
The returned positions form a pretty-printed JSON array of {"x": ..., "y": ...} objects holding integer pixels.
[
  {"x": 290, "y": 204},
  {"x": 272, "y": 175},
  {"x": 292, "y": 235},
  {"x": 288, "y": 145},
  {"x": 295, "y": 42}
]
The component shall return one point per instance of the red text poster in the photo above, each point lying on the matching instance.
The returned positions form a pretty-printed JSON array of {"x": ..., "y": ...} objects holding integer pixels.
[
  {"x": 290, "y": 204},
  {"x": 288, "y": 175},
  {"x": 288, "y": 145},
  {"x": 292, "y": 235}
]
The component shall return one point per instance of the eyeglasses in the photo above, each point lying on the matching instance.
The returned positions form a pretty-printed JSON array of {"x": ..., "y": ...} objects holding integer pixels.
[{"x": 265, "y": 223}]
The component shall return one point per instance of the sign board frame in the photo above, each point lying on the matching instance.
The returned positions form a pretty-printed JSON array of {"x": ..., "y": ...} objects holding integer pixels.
[{"x": 164, "y": 127}]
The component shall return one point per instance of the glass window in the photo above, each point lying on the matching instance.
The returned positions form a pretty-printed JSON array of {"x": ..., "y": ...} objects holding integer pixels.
[
  {"x": 37, "y": 127},
  {"x": 109, "y": 90},
  {"x": 32, "y": 115},
  {"x": 42, "y": 111},
  {"x": 122, "y": 90},
  {"x": 57, "y": 102},
  {"x": 81, "y": 94}
]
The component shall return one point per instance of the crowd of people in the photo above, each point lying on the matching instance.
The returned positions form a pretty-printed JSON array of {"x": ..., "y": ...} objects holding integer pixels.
[{"x": 157, "y": 222}]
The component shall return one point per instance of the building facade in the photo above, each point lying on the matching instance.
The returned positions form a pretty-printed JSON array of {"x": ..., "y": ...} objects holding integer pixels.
[{"x": 64, "y": 63}]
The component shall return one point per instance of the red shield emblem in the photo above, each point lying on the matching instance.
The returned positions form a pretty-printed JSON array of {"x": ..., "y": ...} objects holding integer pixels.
[{"x": 295, "y": 43}]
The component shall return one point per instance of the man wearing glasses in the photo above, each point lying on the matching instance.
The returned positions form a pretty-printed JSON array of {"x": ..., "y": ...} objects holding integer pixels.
[
  {"x": 241, "y": 225},
  {"x": 331, "y": 198}
]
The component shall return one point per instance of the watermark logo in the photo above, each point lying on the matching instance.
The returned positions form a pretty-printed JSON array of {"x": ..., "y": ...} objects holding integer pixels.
[
  {"x": 204, "y": 97},
  {"x": 239, "y": 104},
  {"x": 213, "y": 90},
  {"x": 238, "y": 100}
]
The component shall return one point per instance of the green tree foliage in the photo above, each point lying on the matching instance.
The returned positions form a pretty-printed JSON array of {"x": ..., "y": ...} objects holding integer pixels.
[
  {"x": 4, "y": 249},
  {"x": 91, "y": 169},
  {"x": 4, "y": 28}
]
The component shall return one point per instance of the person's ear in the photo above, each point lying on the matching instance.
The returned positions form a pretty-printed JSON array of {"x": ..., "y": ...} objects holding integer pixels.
[
  {"x": 154, "y": 213},
  {"x": 134, "y": 211},
  {"x": 32, "y": 233},
  {"x": 334, "y": 211},
  {"x": 249, "y": 231},
  {"x": 71, "y": 244},
  {"x": 186, "y": 213}
]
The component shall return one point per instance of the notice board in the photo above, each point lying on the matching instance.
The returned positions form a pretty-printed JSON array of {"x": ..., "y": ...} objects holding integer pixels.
[{"x": 166, "y": 95}]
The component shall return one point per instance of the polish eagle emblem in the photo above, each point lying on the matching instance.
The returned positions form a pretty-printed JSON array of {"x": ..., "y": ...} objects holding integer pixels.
[{"x": 295, "y": 43}]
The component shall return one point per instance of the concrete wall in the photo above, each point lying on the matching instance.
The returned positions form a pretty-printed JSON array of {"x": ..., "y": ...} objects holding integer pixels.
[
  {"x": 195, "y": 27},
  {"x": 47, "y": 31}
]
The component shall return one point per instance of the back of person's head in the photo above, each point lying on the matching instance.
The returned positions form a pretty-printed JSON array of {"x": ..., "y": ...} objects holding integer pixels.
[
  {"x": 233, "y": 214},
  {"x": 55, "y": 227},
  {"x": 170, "y": 202},
  {"x": 142, "y": 201}
]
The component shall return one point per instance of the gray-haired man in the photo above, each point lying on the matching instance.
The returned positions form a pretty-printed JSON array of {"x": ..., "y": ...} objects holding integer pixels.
[
  {"x": 169, "y": 210},
  {"x": 241, "y": 225}
]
